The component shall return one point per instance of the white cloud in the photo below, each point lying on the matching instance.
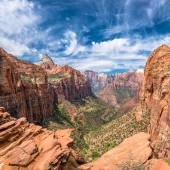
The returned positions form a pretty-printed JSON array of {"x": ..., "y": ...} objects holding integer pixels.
[
  {"x": 120, "y": 53},
  {"x": 110, "y": 46},
  {"x": 72, "y": 44},
  {"x": 13, "y": 47},
  {"x": 18, "y": 21},
  {"x": 16, "y": 16}
]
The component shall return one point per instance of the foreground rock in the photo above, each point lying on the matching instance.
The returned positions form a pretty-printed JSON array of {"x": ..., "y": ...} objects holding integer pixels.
[
  {"x": 155, "y": 97},
  {"x": 132, "y": 152},
  {"x": 27, "y": 146},
  {"x": 157, "y": 164}
]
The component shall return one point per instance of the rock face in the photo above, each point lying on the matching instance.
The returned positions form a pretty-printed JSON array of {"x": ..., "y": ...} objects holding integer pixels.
[
  {"x": 46, "y": 62},
  {"x": 24, "y": 89},
  {"x": 132, "y": 152},
  {"x": 123, "y": 92},
  {"x": 27, "y": 146},
  {"x": 129, "y": 80},
  {"x": 31, "y": 91},
  {"x": 67, "y": 82},
  {"x": 98, "y": 80},
  {"x": 155, "y": 97}
]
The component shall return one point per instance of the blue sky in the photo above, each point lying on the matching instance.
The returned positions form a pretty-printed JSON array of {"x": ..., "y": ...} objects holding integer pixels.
[{"x": 99, "y": 35}]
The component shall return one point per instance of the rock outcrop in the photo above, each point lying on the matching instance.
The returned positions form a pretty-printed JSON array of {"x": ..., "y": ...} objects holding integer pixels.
[
  {"x": 24, "y": 89},
  {"x": 68, "y": 83},
  {"x": 132, "y": 152},
  {"x": 129, "y": 80},
  {"x": 46, "y": 62},
  {"x": 98, "y": 80},
  {"x": 155, "y": 97},
  {"x": 27, "y": 146}
]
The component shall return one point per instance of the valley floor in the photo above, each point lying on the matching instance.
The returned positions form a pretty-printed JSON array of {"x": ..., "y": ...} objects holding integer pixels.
[{"x": 98, "y": 127}]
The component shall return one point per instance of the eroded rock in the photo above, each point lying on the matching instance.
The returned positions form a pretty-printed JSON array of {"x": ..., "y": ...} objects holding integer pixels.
[{"x": 27, "y": 146}]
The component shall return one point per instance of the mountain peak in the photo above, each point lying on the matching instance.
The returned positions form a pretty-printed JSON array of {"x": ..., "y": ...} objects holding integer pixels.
[{"x": 46, "y": 62}]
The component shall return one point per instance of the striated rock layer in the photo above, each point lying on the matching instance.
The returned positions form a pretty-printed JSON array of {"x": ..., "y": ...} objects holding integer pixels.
[
  {"x": 24, "y": 89},
  {"x": 155, "y": 97},
  {"x": 68, "y": 83},
  {"x": 30, "y": 147},
  {"x": 31, "y": 91}
]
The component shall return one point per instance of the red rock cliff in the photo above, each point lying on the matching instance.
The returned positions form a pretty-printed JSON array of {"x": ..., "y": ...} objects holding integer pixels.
[
  {"x": 123, "y": 92},
  {"x": 24, "y": 90},
  {"x": 155, "y": 97},
  {"x": 98, "y": 80},
  {"x": 67, "y": 82}
]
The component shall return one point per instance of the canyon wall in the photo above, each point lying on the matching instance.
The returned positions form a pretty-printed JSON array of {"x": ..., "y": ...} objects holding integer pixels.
[
  {"x": 123, "y": 92},
  {"x": 31, "y": 90},
  {"x": 98, "y": 80},
  {"x": 24, "y": 90},
  {"x": 68, "y": 83},
  {"x": 155, "y": 97}
]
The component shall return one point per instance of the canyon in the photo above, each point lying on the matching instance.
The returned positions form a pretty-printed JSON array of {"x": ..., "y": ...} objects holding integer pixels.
[
  {"x": 32, "y": 91},
  {"x": 120, "y": 90},
  {"x": 139, "y": 138}
]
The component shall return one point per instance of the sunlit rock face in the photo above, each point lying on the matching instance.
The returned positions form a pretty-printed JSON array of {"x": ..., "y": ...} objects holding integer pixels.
[
  {"x": 68, "y": 83},
  {"x": 133, "y": 150},
  {"x": 27, "y": 146},
  {"x": 155, "y": 97},
  {"x": 24, "y": 89},
  {"x": 31, "y": 90}
]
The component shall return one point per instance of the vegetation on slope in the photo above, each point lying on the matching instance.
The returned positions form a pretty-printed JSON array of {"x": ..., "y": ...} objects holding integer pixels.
[{"x": 98, "y": 127}]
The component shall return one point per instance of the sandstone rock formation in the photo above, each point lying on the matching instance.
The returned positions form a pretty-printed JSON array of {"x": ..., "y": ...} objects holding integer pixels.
[
  {"x": 123, "y": 92},
  {"x": 24, "y": 89},
  {"x": 46, "y": 62},
  {"x": 132, "y": 152},
  {"x": 31, "y": 90},
  {"x": 67, "y": 82},
  {"x": 155, "y": 98},
  {"x": 157, "y": 164},
  {"x": 98, "y": 80},
  {"x": 26, "y": 146}
]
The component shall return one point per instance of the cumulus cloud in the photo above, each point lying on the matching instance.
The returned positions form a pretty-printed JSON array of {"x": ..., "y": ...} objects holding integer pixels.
[
  {"x": 84, "y": 34},
  {"x": 16, "y": 15},
  {"x": 119, "y": 53},
  {"x": 72, "y": 46}
]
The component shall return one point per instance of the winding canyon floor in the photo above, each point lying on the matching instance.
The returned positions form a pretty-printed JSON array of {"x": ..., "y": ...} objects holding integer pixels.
[{"x": 97, "y": 126}]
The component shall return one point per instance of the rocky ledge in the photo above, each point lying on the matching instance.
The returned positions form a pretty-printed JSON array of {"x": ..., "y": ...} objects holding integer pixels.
[
  {"x": 133, "y": 153},
  {"x": 27, "y": 146}
]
